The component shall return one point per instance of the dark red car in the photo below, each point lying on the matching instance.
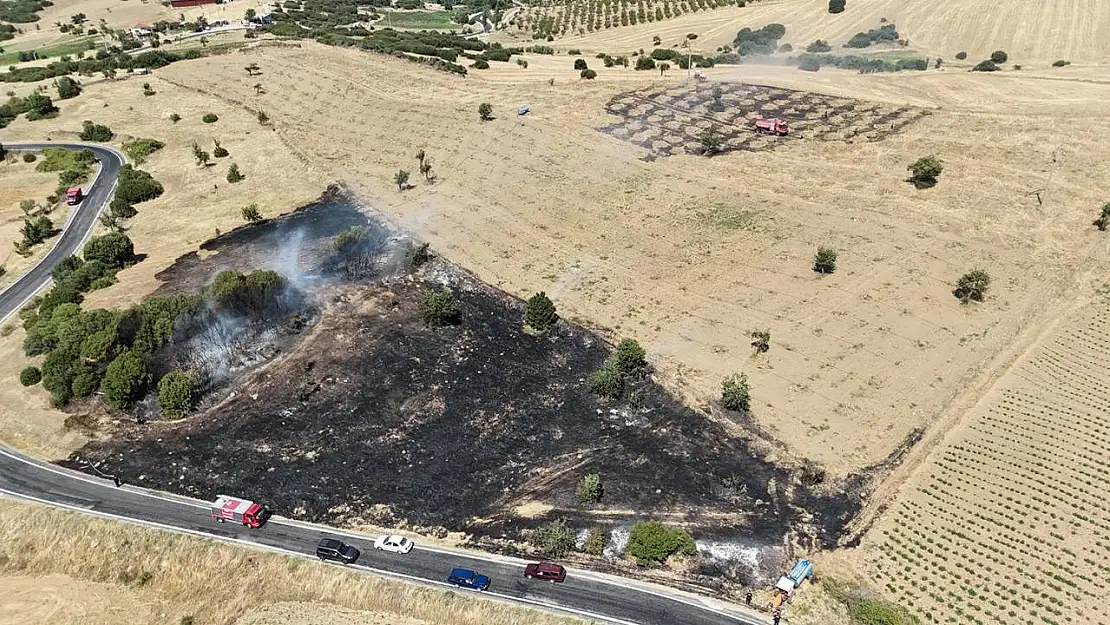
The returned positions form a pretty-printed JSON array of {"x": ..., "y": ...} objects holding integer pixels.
[{"x": 545, "y": 570}]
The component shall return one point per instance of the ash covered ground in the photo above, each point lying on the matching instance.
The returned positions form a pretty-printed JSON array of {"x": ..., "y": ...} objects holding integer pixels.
[{"x": 374, "y": 416}]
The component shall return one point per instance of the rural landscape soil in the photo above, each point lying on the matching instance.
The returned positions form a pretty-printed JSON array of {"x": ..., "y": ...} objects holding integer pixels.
[{"x": 949, "y": 456}]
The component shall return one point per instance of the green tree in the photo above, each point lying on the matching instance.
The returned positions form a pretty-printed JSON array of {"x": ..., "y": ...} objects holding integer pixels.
[
  {"x": 608, "y": 381},
  {"x": 177, "y": 393},
  {"x": 485, "y": 111},
  {"x": 95, "y": 132},
  {"x": 39, "y": 106},
  {"x": 824, "y": 261},
  {"x": 233, "y": 174},
  {"x": 972, "y": 286},
  {"x": 590, "y": 489},
  {"x": 580, "y": 64},
  {"x": 68, "y": 88},
  {"x": 986, "y": 65},
  {"x": 735, "y": 393},
  {"x": 998, "y": 56},
  {"x": 200, "y": 155},
  {"x": 761, "y": 341},
  {"x": 630, "y": 357},
  {"x": 539, "y": 313},
  {"x": 836, "y": 6},
  {"x": 818, "y": 46},
  {"x": 219, "y": 151},
  {"x": 645, "y": 62},
  {"x": 651, "y": 542},
  {"x": 809, "y": 64},
  {"x": 251, "y": 213},
  {"x": 114, "y": 249},
  {"x": 554, "y": 539},
  {"x": 1103, "y": 220},
  {"x": 401, "y": 179},
  {"x": 588, "y": 74},
  {"x": 595, "y": 542},
  {"x": 961, "y": 56},
  {"x": 124, "y": 380},
  {"x": 30, "y": 376},
  {"x": 439, "y": 308},
  {"x": 924, "y": 171},
  {"x": 710, "y": 140}
]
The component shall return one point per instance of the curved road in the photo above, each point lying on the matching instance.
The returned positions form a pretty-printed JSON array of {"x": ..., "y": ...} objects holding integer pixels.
[{"x": 586, "y": 594}]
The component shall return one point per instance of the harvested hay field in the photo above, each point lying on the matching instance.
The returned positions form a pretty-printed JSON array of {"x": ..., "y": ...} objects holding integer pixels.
[
  {"x": 1005, "y": 522},
  {"x": 666, "y": 120}
]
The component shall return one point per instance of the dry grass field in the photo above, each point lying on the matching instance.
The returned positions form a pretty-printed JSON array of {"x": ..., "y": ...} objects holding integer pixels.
[
  {"x": 1039, "y": 32},
  {"x": 19, "y": 181},
  {"x": 99, "y": 571}
]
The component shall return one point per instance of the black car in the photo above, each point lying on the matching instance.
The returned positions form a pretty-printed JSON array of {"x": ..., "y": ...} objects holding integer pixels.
[{"x": 332, "y": 549}]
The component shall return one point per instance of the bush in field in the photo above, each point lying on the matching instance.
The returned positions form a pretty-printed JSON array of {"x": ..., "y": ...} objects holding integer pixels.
[
  {"x": 95, "y": 132},
  {"x": 539, "y": 313},
  {"x": 710, "y": 141},
  {"x": 113, "y": 250},
  {"x": 588, "y": 74},
  {"x": 177, "y": 393},
  {"x": 1103, "y": 221},
  {"x": 39, "y": 106},
  {"x": 485, "y": 111},
  {"x": 961, "y": 55},
  {"x": 30, "y": 376},
  {"x": 818, "y": 46},
  {"x": 651, "y": 542},
  {"x": 251, "y": 214},
  {"x": 736, "y": 393},
  {"x": 645, "y": 62},
  {"x": 824, "y": 261},
  {"x": 972, "y": 286},
  {"x": 985, "y": 66},
  {"x": 480, "y": 64},
  {"x": 999, "y": 56},
  {"x": 761, "y": 341},
  {"x": 135, "y": 186},
  {"x": 233, "y": 174},
  {"x": 124, "y": 380},
  {"x": 595, "y": 542},
  {"x": 580, "y": 64},
  {"x": 554, "y": 539},
  {"x": 138, "y": 149},
  {"x": 607, "y": 382},
  {"x": 255, "y": 293},
  {"x": 1060, "y": 63},
  {"x": 836, "y": 6},
  {"x": 809, "y": 64},
  {"x": 68, "y": 88},
  {"x": 210, "y": 118},
  {"x": 630, "y": 358},
  {"x": 924, "y": 171},
  {"x": 590, "y": 489},
  {"x": 439, "y": 309},
  {"x": 219, "y": 151},
  {"x": 762, "y": 41}
]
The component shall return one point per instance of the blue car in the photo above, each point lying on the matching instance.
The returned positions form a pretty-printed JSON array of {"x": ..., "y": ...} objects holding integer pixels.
[{"x": 464, "y": 578}]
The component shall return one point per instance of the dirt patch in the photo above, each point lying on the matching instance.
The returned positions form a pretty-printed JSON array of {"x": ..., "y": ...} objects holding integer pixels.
[{"x": 671, "y": 119}]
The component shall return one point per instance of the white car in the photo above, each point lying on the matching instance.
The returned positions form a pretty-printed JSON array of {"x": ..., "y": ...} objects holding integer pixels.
[{"x": 396, "y": 544}]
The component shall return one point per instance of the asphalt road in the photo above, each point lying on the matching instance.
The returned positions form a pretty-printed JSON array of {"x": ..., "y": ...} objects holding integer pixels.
[
  {"x": 590, "y": 595},
  {"x": 97, "y": 195}
]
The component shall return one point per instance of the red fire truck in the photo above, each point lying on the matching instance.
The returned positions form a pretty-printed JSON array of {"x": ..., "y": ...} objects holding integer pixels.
[
  {"x": 74, "y": 195},
  {"x": 237, "y": 510}
]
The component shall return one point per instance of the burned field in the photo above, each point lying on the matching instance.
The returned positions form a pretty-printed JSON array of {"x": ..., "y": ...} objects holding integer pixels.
[
  {"x": 375, "y": 416},
  {"x": 667, "y": 121}
]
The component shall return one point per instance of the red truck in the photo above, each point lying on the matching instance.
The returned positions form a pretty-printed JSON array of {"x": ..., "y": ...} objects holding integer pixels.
[
  {"x": 248, "y": 513},
  {"x": 74, "y": 195},
  {"x": 772, "y": 126}
]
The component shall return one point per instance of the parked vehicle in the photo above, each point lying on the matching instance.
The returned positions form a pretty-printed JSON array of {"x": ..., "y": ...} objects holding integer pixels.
[
  {"x": 787, "y": 585},
  {"x": 545, "y": 570},
  {"x": 772, "y": 126},
  {"x": 74, "y": 195},
  {"x": 248, "y": 513},
  {"x": 337, "y": 550},
  {"x": 465, "y": 578},
  {"x": 396, "y": 544}
]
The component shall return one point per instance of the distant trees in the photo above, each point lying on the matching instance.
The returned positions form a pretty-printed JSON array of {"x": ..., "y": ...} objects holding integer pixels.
[
  {"x": 961, "y": 55},
  {"x": 539, "y": 313},
  {"x": 972, "y": 286},
  {"x": 824, "y": 261},
  {"x": 736, "y": 393},
  {"x": 645, "y": 63},
  {"x": 439, "y": 308},
  {"x": 986, "y": 65},
  {"x": 588, "y": 74},
  {"x": 202, "y": 158},
  {"x": 809, "y": 64},
  {"x": 924, "y": 171},
  {"x": 580, "y": 64},
  {"x": 219, "y": 151},
  {"x": 818, "y": 46},
  {"x": 836, "y": 6}
]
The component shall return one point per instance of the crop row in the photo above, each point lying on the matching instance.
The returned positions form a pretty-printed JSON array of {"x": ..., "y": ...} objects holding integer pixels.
[{"x": 583, "y": 16}]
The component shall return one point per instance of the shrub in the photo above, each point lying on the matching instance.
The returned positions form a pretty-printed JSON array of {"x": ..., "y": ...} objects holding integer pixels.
[
  {"x": 539, "y": 313},
  {"x": 120, "y": 209},
  {"x": 39, "y": 106},
  {"x": 630, "y": 357},
  {"x": 762, "y": 41},
  {"x": 555, "y": 539},
  {"x": 961, "y": 56},
  {"x": 809, "y": 64},
  {"x": 135, "y": 186},
  {"x": 736, "y": 393},
  {"x": 138, "y": 149},
  {"x": 818, "y": 46},
  {"x": 590, "y": 489},
  {"x": 664, "y": 54},
  {"x": 219, "y": 151},
  {"x": 1103, "y": 221},
  {"x": 256, "y": 293},
  {"x": 233, "y": 174},
  {"x": 998, "y": 56},
  {"x": 35, "y": 231},
  {"x": 972, "y": 286},
  {"x": 651, "y": 542},
  {"x": 580, "y": 64},
  {"x": 824, "y": 261},
  {"x": 761, "y": 341},
  {"x": 28, "y": 157},
  {"x": 95, "y": 132},
  {"x": 251, "y": 213},
  {"x": 588, "y": 74},
  {"x": 68, "y": 88},
  {"x": 645, "y": 62},
  {"x": 439, "y": 308},
  {"x": 485, "y": 111},
  {"x": 836, "y": 6},
  {"x": 1060, "y": 63},
  {"x": 85, "y": 383},
  {"x": 608, "y": 381},
  {"x": 30, "y": 376},
  {"x": 113, "y": 250},
  {"x": 124, "y": 380},
  {"x": 210, "y": 118},
  {"x": 924, "y": 171},
  {"x": 710, "y": 141},
  {"x": 786, "y": 48},
  {"x": 480, "y": 64},
  {"x": 401, "y": 179},
  {"x": 595, "y": 542},
  {"x": 985, "y": 66},
  {"x": 176, "y": 393},
  {"x": 174, "y": 117}
]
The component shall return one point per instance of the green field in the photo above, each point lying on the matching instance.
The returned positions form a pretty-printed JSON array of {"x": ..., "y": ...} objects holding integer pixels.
[
  {"x": 73, "y": 48},
  {"x": 417, "y": 20}
]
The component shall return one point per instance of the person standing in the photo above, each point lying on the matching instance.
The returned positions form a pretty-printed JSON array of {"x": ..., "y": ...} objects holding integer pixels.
[{"x": 748, "y": 598}]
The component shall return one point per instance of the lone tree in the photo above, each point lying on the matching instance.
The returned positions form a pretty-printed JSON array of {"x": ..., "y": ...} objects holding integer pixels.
[
  {"x": 651, "y": 542},
  {"x": 251, "y": 213},
  {"x": 177, "y": 393},
  {"x": 555, "y": 539},
  {"x": 426, "y": 170},
  {"x": 972, "y": 286},
  {"x": 663, "y": 67},
  {"x": 68, "y": 88},
  {"x": 761, "y": 341},
  {"x": 439, "y": 308},
  {"x": 539, "y": 313},
  {"x": 824, "y": 261},
  {"x": 1103, "y": 220},
  {"x": 736, "y": 393},
  {"x": 590, "y": 489},
  {"x": 233, "y": 174},
  {"x": 715, "y": 95},
  {"x": 710, "y": 141},
  {"x": 836, "y": 6},
  {"x": 219, "y": 151},
  {"x": 999, "y": 56},
  {"x": 630, "y": 358},
  {"x": 580, "y": 64},
  {"x": 401, "y": 179},
  {"x": 924, "y": 171},
  {"x": 200, "y": 155},
  {"x": 485, "y": 111}
]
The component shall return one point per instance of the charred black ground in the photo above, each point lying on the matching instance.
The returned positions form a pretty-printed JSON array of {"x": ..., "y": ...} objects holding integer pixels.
[{"x": 376, "y": 416}]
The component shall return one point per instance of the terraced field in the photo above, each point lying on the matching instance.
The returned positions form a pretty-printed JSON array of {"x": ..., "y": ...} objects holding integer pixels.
[{"x": 1007, "y": 523}]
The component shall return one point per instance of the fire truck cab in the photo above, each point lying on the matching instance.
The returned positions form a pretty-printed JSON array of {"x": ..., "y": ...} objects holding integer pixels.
[
  {"x": 74, "y": 195},
  {"x": 248, "y": 513}
]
